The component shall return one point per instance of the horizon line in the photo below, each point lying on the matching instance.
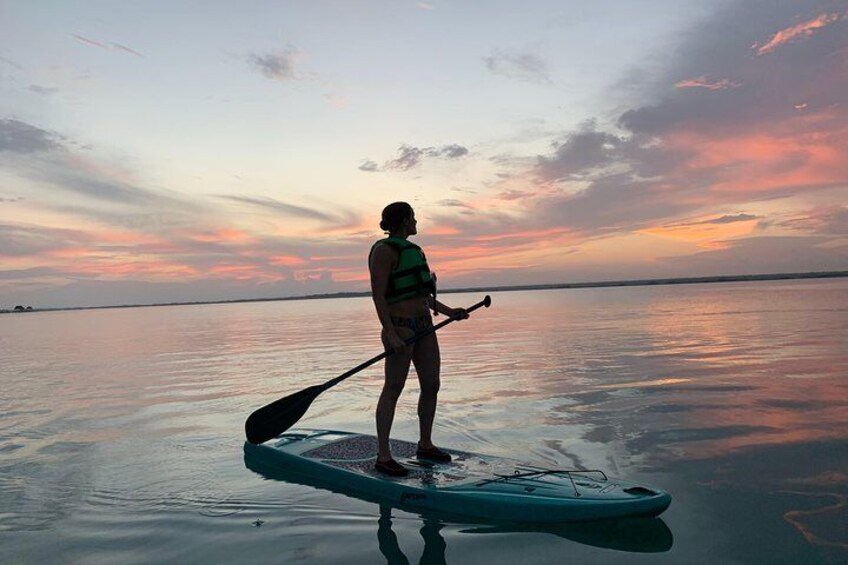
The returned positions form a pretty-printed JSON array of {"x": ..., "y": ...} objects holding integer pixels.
[{"x": 505, "y": 288}]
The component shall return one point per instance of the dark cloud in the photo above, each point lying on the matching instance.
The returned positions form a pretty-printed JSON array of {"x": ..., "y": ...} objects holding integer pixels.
[
  {"x": 88, "y": 41},
  {"x": 23, "y": 240},
  {"x": 580, "y": 153},
  {"x": 38, "y": 155},
  {"x": 729, "y": 219},
  {"x": 99, "y": 187},
  {"x": 514, "y": 195},
  {"x": 521, "y": 66},
  {"x": 450, "y": 151},
  {"x": 410, "y": 157},
  {"x": 453, "y": 203},
  {"x": 726, "y": 219},
  {"x": 42, "y": 90},
  {"x": 19, "y": 137},
  {"x": 484, "y": 229},
  {"x": 699, "y": 147},
  {"x": 282, "y": 207},
  {"x": 369, "y": 167},
  {"x": 690, "y": 150},
  {"x": 107, "y": 47},
  {"x": 126, "y": 49},
  {"x": 24, "y": 274},
  {"x": 11, "y": 63},
  {"x": 156, "y": 217},
  {"x": 831, "y": 220},
  {"x": 765, "y": 255},
  {"x": 771, "y": 85},
  {"x": 277, "y": 66},
  {"x": 612, "y": 203}
]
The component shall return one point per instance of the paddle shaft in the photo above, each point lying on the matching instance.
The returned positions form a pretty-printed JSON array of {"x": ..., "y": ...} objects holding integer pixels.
[
  {"x": 275, "y": 418},
  {"x": 333, "y": 382}
]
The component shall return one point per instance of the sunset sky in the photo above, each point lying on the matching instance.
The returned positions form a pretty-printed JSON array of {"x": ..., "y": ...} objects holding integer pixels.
[{"x": 202, "y": 150}]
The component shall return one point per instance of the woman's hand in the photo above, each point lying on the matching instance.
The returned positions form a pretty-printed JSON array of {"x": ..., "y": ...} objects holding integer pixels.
[
  {"x": 458, "y": 314},
  {"x": 395, "y": 342}
]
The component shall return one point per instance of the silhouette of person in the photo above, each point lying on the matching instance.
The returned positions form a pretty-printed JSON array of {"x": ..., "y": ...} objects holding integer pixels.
[
  {"x": 404, "y": 292},
  {"x": 434, "y": 543}
]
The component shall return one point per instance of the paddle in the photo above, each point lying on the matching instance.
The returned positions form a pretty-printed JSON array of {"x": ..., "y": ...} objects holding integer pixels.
[{"x": 270, "y": 421}]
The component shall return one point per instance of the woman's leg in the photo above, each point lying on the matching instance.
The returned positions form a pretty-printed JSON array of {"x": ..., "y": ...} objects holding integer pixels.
[
  {"x": 428, "y": 366},
  {"x": 397, "y": 368}
]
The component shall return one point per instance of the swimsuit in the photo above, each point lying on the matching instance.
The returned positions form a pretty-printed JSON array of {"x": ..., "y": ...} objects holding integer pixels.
[{"x": 417, "y": 324}]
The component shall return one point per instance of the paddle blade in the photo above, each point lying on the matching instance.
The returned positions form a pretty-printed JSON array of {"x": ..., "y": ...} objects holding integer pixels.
[{"x": 270, "y": 421}]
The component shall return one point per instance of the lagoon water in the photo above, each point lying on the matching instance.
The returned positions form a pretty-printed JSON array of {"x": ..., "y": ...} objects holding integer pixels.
[{"x": 121, "y": 430}]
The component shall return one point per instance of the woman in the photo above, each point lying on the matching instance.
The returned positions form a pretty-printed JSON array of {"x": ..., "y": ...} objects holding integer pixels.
[{"x": 404, "y": 292}]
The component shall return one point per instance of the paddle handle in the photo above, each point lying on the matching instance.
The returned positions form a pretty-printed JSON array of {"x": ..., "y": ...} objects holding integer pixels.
[{"x": 487, "y": 301}]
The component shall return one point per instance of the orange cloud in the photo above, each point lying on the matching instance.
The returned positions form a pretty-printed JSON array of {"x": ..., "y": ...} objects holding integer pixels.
[
  {"x": 244, "y": 272},
  {"x": 443, "y": 230},
  {"x": 763, "y": 161},
  {"x": 226, "y": 235},
  {"x": 286, "y": 260},
  {"x": 72, "y": 253},
  {"x": 318, "y": 258},
  {"x": 350, "y": 276},
  {"x": 530, "y": 234},
  {"x": 121, "y": 268},
  {"x": 796, "y": 32},
  {"x": 704, "y": 234}
]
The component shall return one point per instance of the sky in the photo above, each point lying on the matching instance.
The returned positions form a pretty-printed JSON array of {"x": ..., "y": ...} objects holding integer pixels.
[{"x": 170, "y": 151}]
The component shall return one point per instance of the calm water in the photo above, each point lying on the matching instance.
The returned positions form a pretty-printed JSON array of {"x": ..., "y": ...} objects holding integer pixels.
[{"x": 121, "y": 430}]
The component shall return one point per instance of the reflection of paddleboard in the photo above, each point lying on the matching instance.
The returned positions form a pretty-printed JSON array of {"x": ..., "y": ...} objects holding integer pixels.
[
  {"x": 473, "y": 485},
  {"x": 635, "y": 535}
]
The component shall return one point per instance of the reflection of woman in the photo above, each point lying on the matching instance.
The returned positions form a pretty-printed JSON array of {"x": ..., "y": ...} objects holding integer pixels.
[
  {"x": 404, "y": 291},
  {"x": 434, "y": 543}
]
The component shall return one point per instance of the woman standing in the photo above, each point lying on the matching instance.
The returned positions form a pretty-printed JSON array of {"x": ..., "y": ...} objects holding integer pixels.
[{"x": 404, "y": 292}]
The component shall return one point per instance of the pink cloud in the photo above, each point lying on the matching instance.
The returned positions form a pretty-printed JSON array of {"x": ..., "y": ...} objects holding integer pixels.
[
  {"x": 702, "y": 82},
  {"x": 796, "y": 32}
]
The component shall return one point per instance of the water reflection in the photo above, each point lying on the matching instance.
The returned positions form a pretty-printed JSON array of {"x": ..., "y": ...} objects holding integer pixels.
[
  {"x": 434, "y": 543},
  {"x": 636, "y": 535},
  {"x": 731, "y": 396}
]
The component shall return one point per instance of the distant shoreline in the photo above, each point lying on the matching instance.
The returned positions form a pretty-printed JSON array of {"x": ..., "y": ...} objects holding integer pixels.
[{"x": 597, "y": 284}]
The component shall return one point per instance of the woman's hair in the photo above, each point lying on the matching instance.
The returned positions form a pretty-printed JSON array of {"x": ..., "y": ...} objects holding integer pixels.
[{"x": 393, "y": 216}]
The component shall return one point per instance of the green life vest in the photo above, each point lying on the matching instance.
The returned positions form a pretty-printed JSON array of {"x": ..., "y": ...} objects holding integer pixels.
[{"x": 411, "y": 277}]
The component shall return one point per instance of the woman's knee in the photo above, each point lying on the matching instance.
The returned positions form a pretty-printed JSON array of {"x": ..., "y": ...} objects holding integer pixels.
[
  {"x": 393, "y": 388},
  {"x": 430, "y": 385}
]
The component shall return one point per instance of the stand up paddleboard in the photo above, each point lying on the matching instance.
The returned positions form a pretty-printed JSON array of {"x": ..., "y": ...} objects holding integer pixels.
[{"x": 474, "y": 485}]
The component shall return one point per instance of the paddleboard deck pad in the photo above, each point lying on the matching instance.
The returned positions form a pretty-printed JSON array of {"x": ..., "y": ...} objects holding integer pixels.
[{"x": 474, "y": 485}]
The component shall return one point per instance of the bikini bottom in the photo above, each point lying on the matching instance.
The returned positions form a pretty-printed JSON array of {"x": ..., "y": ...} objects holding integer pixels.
[{"x": 417, "y": 324}]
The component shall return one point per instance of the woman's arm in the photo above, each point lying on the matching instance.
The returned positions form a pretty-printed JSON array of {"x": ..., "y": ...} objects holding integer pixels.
[{"x": 458, "y": 313}]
